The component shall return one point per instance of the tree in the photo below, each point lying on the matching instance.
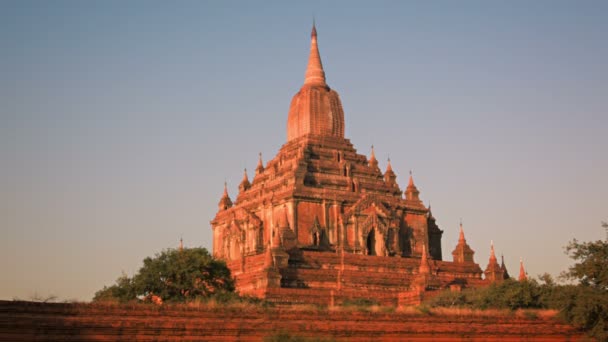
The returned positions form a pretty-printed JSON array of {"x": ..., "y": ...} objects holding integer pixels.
[
  {"x": 174, "y": 275},
  {"x": 591, "y": 268},
  {"x": 588, "y": 306}
]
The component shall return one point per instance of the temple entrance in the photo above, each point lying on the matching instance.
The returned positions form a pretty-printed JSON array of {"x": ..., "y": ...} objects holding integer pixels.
[{"x": 371, "y": 242}]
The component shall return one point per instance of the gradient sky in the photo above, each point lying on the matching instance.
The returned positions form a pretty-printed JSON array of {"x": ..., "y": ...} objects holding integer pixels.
[{"x": 120, "y": 121}]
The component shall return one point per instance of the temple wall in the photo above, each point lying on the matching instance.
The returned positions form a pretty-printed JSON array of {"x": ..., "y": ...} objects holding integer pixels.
[
  {"x": 306, "y": 213},
  {"x": 418, "y": 225}
]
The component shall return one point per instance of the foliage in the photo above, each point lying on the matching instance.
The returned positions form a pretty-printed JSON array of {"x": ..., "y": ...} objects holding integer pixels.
[
  {"x": 174, "y": 275},
  {"x": 591, "y": 268},
  {"x": 509, "y": 294},
  {"x": 588, "y": 306},
  {"x": 123, "y": 291},
  {"x": 585, "y": 305}
]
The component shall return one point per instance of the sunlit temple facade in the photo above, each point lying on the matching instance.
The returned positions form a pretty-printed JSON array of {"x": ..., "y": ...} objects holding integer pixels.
[{"x": 320, "y": 222}]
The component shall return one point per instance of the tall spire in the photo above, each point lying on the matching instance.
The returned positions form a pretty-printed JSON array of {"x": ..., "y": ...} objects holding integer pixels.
[
  {"x": 316, "y": 109},
  {"x": 522, "y": 270},
  {"x": 494, "y": 273},
  {"x": 314, "y": 71},
  {"x": 461, "y": 234},
  {"x": 492, "y": 254}
]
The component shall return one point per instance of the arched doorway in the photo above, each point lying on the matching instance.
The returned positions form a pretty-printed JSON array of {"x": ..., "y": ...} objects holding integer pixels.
[{"x": 371, "y": 242}]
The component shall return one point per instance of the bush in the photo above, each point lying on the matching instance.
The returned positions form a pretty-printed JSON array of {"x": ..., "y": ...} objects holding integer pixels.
[{"x": 174, "y": 275}]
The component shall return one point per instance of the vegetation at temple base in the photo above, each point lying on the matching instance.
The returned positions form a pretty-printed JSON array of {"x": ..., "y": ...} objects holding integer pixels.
[
  {"x": 585, "y": 305},
  {"x": 173, "y": 275}
]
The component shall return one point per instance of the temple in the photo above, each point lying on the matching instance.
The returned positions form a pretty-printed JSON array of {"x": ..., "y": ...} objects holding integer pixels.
[{"x": 321, "y": 223}]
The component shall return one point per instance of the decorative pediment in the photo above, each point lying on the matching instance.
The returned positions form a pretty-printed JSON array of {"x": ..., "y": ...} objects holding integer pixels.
[
  {"x": 374, "y": 221},
  {"x": 243, "y": 216},
  {"x": 369, "y": 204}
]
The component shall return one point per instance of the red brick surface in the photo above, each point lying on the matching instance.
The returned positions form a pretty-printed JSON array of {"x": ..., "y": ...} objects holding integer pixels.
[{"x": 26, "y": 321}]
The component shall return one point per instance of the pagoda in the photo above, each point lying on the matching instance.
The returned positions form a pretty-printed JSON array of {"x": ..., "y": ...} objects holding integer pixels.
[{"x": 321, "y": 223}]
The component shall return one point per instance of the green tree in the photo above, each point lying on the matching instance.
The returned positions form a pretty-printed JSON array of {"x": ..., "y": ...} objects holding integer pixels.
[
  {"x": 123, "y": 291},
  {"x": 174, "y": 275},
  {"x": 591, "y": 268},
  {"x": 587, "y": 307}
]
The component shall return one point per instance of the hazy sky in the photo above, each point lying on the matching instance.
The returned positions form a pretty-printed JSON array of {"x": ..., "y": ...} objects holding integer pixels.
[{"x": 120, "y": 121}]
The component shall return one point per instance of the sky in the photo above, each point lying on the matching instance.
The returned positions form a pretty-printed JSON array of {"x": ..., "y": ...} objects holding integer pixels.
[{"x": 121, "y": 120}]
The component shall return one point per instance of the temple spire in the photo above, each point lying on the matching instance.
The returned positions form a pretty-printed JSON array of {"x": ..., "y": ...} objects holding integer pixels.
[
  {"x": 461, "y": 234},
  {"x": 225, "y": 201},
  {"x": 492, "y": 254},
  {"x": 260, "y": 168},
  {"x": 245, "y": 184},
  {"x": 372, "y": 156},
  {"x": 373, "y": 162},
  {"x": 494, "y": 273},
  {"x": 522, "y": 270},
  {"x": 411, "y": 192},
  {"x": 462, "y": 252},
  {"x": 314, "y": 71}
]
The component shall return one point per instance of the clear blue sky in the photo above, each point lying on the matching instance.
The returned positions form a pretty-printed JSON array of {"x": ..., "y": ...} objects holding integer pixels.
[{"x": 120, "y": 121}]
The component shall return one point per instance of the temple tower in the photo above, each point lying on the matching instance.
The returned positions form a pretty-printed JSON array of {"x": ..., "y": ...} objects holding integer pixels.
[
  {"x": 462, "y": 253},
  {"x": 493, "y": 272},
  {"x": 315, "y": 109}
]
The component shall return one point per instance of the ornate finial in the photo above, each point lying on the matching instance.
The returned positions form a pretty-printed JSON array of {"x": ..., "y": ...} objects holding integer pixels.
[
  {"x": 225, "y": 188},
  {"x": 181, "y": 244},
  {"x": 314, "y": 27},
  {"x": 492, "y": 255},
  {"x": 260, "y": 166},
  {"x": 461, "y": 234}
]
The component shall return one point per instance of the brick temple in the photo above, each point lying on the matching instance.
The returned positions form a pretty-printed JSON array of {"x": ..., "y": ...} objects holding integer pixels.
[{"x": 321, "y": 223}]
